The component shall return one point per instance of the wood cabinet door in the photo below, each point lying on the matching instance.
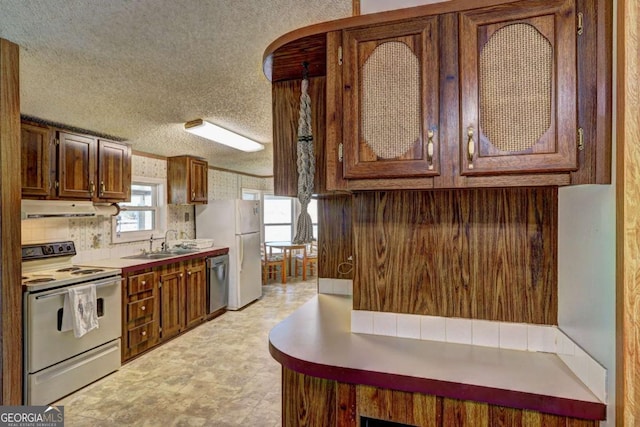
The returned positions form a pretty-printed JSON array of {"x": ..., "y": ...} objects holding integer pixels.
[
  {"x": 36, "y": 156},
  {"x": 171, "y": 303},
  {"x": 391, "y": 100},
  {"x": 76, "y": 166},
  {"x": 114, "y": 171},
  {"x": 196, "y": 293},
  {"x": 518, "y": 88},
  {"x": 198, "y": 174}
]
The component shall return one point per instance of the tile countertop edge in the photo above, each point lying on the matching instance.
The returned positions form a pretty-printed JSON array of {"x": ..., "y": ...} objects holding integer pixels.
[
  {"x": 288, "y": 356},
  {"x": 131, "y": 265}
]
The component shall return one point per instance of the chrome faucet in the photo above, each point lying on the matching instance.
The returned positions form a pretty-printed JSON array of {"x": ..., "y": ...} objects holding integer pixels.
[
  {"x": 151, "y": 244},
  {"x": 165, "y": 244}
]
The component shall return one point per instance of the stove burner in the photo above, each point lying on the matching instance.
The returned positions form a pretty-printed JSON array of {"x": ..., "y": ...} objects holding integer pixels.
[
  {"x": 94, "y": 270},
  {"x": 39, "y": 280},
  {"x": 63, "y": 270}
]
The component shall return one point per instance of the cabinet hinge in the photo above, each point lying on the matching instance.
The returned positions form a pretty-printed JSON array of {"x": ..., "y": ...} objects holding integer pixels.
[
  {"x": 340, "y": 152},
  {"x": 339, "y": 55},
  {"x": 580, "y": 139},
  {"x": 580, "y": 23}
]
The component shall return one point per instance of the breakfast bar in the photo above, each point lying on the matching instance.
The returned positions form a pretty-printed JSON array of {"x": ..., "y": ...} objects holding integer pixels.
[{"x": 317, "y": 350}]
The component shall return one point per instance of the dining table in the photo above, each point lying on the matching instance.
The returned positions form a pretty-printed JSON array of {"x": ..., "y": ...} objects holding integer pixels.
[{"x": 287, "y": 248}]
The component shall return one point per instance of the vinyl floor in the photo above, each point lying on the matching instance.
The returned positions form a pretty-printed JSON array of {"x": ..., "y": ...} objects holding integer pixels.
[{"x": 218, "y": 374}]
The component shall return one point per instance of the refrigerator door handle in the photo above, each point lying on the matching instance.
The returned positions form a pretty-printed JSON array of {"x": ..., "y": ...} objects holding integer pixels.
[
  {"x": 240, "y": 254},
  {"x": 239, "y": 228}
]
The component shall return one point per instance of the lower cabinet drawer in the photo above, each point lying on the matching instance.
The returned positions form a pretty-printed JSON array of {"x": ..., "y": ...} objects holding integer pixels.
[
  {"x": 142, "y": 334},
  {"x": 141, "y": 283},
  {"x": 140, "y": 309}
]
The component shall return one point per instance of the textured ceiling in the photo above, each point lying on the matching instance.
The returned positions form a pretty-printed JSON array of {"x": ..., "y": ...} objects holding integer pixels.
[{"x": 139, "y": 69}]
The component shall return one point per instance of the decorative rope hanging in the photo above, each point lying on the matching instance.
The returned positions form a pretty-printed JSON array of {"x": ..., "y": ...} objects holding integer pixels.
[{"x": 306, "y": 163}]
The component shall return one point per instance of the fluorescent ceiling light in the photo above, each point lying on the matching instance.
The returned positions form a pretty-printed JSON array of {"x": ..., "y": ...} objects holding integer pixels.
[{"x": 220, "y": 135}]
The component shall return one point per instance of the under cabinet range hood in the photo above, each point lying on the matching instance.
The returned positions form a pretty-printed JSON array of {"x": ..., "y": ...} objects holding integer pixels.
[{"x": 33, "y": 209}]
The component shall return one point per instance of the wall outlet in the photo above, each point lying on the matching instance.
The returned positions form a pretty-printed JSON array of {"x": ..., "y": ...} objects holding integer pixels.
[{"x": 186, "y": 217}]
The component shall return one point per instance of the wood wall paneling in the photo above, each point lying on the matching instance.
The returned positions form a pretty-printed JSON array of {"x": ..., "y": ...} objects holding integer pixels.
[
  {"x": 628, "y": 216},
  {"x": 10, "y": 188},
  {"x": 310, "y": 401},
  {"x": 286, "y": 111},
  {"x": 483, "y": 253},
  {"x": 464, "y": 413},
  {"x": 307, "y": 401},
  {"x": 398, "y": 406},
  {"x": 346, "y": 405},
  {"x": 335, "y": 240}
]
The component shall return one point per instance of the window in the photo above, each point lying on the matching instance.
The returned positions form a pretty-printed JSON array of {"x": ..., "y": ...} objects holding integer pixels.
[
  {"x": 250, "y": 194},
  {"x": 313, "y": 213},
  {"x": 278, "y": 218},
  {"x": 280, "y": 215},
  {"x": 144, "y": 215}
]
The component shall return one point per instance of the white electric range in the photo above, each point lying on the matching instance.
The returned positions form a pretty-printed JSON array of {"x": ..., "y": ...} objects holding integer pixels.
[{"x": 57, "y": 363}]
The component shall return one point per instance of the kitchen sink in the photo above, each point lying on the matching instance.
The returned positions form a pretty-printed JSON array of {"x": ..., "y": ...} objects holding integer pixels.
[
  {"x": 182, "y": 251},
  {"x": 155, "y": 255},
  {"x": 164, "y": 254}
]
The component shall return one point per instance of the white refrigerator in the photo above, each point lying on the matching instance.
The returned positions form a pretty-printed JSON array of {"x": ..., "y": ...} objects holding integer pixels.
[{"x": 235, "y": 224}]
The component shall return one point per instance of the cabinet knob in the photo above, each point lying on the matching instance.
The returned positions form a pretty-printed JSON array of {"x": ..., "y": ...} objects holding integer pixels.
[
  {"x": 144, "y": 333},
  {"x": 471, "y": 148},
  {"x": 92, "y": 188},
  {"x": 193, "y": 195},
  {"x": 181, "y": 275},
  {"x": 102, "y": 188},
  {"x": 143, "y": 308},
  {"x": 144, "y": 282},
  {"x": 188, "y": 273}
]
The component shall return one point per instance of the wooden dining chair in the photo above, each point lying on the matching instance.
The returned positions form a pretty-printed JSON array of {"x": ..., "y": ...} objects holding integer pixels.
[
  {"x": 307, "y": 259},
  {"x": 271, "y": 263}
]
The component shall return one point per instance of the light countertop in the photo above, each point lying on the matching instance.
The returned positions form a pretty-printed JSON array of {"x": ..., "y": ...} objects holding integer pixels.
[
  {"x": 316, "y": 340},
  {"x": 128, "y": 265}
]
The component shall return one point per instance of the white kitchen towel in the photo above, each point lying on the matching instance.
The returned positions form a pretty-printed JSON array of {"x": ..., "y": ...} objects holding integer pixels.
[{"x": 79, "y": 311}]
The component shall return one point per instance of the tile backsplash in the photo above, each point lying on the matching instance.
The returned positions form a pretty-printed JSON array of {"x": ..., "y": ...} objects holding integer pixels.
[
  {"x": 505, "y": 335},
  {"x": 92, "y": 236}
]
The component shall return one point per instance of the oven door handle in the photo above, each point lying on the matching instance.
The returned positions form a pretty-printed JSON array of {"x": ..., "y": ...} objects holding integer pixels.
[{"x": 109, "y": 282}]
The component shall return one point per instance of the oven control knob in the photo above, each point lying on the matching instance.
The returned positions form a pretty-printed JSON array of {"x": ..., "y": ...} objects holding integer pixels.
[
  {"x": 69, "y": 247},
  {"x": 48, "y": 249},
  {"x": 60, "y": 249}
]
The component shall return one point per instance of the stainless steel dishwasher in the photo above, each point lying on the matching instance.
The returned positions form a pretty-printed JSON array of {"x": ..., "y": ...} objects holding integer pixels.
[{"x": 217, "y": 283}]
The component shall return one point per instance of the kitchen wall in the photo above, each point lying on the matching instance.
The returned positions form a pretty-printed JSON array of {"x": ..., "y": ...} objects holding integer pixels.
[
  {"x": 586, "y": 253},
  {"x": 92, "y": 236}
]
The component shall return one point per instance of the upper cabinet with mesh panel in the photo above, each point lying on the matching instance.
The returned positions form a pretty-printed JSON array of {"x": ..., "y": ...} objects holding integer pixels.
[
  {"x": 391, "y": 100},
  {"x": 459, "y": 94},
  {"x": 518, "y": 89}
]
